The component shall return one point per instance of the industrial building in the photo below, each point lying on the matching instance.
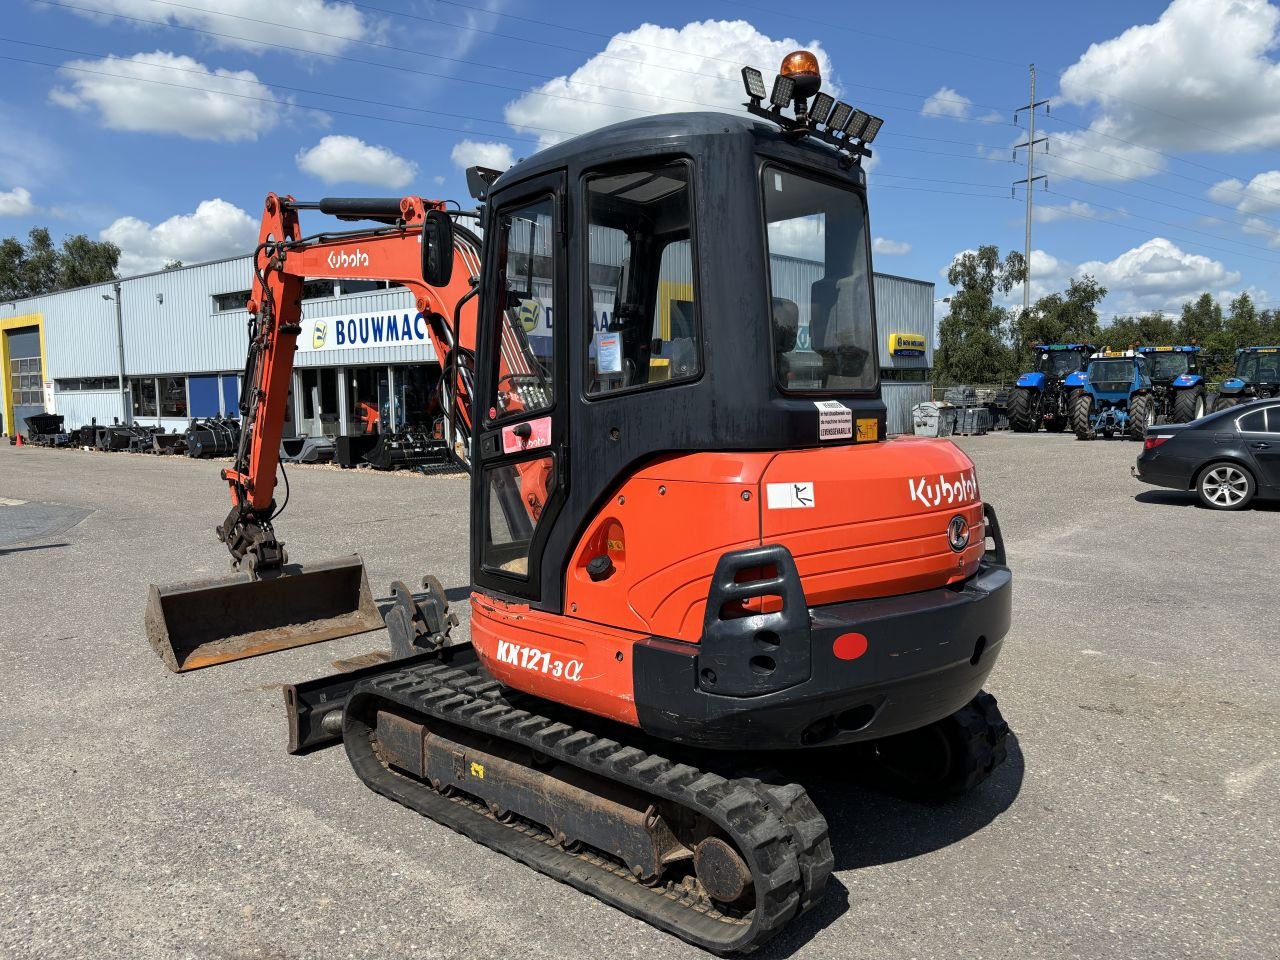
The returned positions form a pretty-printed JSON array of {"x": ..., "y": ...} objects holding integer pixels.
[{"x": 177, "y": 339}]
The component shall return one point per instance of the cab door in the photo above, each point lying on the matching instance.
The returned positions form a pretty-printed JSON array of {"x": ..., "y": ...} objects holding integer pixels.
[{"x": 520, "y": 476}]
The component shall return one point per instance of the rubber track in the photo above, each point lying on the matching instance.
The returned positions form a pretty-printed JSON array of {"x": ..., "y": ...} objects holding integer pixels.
[
  {"x": 985, "y": 738},
  {"x": 776, "y": 828}
]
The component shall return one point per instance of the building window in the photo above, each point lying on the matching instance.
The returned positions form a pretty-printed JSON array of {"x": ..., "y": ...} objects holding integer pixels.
[
  {"x": 230, "y": 301},
  {"x": 904, "y": 374},
  {"x": 144, "y": 396},
  {"x": 346, "y": 287},
  {"x": 87, "y": 383},
  {"x": 318, "y": 289},
  {"x": 173, "y": 396},
  {"x": 24, "y": 381}
]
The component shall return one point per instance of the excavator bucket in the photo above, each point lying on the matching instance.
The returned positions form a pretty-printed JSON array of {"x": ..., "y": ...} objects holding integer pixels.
[{"x": 204, "y": 623}]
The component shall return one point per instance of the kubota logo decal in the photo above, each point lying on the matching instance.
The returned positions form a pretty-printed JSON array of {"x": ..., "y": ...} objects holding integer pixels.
[
  {"x": 932, "y": 493},
  {"x": 340, "y": 258}
]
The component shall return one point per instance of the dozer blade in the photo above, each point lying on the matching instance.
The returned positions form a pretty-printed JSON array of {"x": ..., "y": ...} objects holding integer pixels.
[{"x": 204, "y": 623}]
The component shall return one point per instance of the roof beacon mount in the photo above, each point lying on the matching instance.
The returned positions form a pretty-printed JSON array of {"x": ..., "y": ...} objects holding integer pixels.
[{"x": 799, "y": 80}]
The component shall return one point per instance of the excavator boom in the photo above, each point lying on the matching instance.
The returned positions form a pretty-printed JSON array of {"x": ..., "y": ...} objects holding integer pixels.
[{"x": 269, "y": 604}]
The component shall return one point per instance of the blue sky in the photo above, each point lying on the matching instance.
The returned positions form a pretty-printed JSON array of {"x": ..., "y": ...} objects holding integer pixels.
[{"x": 161, "y": 124}]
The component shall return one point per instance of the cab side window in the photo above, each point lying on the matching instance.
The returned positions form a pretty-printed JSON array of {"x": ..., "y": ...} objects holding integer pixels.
[
  {"x": 1273, "y": 420},
  {"x": 640, "y": 278}
]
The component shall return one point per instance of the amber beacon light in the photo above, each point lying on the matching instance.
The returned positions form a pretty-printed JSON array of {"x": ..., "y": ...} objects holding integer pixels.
[{"x": 798, "y": 81}]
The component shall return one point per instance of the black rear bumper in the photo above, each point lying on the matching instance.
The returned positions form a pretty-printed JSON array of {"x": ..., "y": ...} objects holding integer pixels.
[{"x": 926, "y": 655}]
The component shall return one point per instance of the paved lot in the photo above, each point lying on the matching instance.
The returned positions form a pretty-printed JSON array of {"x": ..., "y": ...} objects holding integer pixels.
[{"x": 149, "y": 815}]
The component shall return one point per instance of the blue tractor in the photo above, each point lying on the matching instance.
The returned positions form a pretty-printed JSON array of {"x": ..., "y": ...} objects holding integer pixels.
[
  {"x": 1040, "y": 398},
  {"x": 1177, "y": 382},
  {"x": 1257, "y": 377},
  {"x": 1113, "y": 396}
]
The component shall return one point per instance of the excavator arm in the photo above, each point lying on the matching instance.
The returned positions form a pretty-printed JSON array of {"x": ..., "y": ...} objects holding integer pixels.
[
  {"x": 266, "y": 606},
  {"x": 417, "y": 247}
]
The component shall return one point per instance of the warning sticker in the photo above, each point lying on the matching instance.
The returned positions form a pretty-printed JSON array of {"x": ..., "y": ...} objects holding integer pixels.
[
  {"x": 835, "y": 420},
  {"x": 789, "y": 496},
  {"x": 868, "y": 429}
]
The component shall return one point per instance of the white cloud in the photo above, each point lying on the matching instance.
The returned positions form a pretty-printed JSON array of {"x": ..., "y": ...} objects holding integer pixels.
[
  {"x": 947, "y": 103},
  {"x": 216, "y": 229},
  {"x": 1259, "y": 195},
  {"x": 1157, "y": 275},
  {"x": 1258, "y": 227},
  {"x": 1200, "y": 77},
  {"x": 655, "y": 70},
  {"x": 336, "y": 24},
  {"x": 890, "y": 248},
  {"x": 1090, "y": 155},
  {"x": 339, "y": 159},
  {"x": 1075, "y": 210},
  {"x": 190, "y": 100},
  {"x": 473, "y": 153},
  {"x": 16, "y": 202}
]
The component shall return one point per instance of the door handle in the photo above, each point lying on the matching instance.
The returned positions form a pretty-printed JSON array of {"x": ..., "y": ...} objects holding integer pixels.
[{"x": 1261, "y": 445}]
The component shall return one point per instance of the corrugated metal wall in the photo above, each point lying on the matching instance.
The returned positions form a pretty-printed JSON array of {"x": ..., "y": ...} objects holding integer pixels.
[
  {"x": 899, "y": 400},
  {"x": 172, "y": 326}
]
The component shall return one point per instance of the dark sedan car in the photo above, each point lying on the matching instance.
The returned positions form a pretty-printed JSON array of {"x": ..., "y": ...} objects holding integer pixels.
[{"x": 1227, "y": 458}]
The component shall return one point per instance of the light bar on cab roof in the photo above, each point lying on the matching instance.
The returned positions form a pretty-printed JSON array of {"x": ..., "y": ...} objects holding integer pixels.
[
  {"x": 753, "y": 80},
  {"x": 798, "y": 83}
]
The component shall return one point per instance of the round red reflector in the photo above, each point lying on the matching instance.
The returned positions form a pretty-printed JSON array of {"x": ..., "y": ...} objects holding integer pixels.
[{"x": 849, "y": 646}]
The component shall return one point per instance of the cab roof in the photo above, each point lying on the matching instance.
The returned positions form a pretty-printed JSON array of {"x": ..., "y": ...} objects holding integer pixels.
[
  {"x": 1179, "y": 349},
  {"x": 657, "y": 134},
  {"x": 1258, "y": 350},
  {"x": 1065, "y": 346}
]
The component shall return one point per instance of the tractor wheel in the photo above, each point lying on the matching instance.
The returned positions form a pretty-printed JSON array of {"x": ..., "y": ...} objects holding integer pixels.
[
  {"x": 1022, "y": 410},
  {"x": 1080, "y": 409},
  {"x": 1225, "y": 486},
  {"x": 1224, "y": 403},
  {"x": 1142, "y": 414},
  {"x": 944, "y": 759},
  {"x": 1188, "y": 405}
]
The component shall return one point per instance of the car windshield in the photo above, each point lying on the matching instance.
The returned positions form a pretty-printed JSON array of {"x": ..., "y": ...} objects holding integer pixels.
[
  {"x": 1166, "y": 366},
  {"x": 1259, "y": 367},
  {"x": 820, "y": 282},
  {"x": 1108, "y": 373},
  {"x": 1059, "y": 363}
]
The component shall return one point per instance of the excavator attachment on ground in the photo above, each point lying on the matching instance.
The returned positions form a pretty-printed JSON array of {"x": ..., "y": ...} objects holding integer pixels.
[{"x": 208, "y": 622}]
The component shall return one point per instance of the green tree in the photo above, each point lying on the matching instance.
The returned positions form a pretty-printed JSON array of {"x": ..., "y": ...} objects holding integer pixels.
[
  {"x": 1150, "y": 330},
  {"x": 1202, "y": 323},
  {"x": 1059, "y": 318},
  {"x": 38, "y": 266},
  {"x": 971, "y": 337},
  {"x": 173, "y": 264},
  {"x": 1243, "y": 325}
]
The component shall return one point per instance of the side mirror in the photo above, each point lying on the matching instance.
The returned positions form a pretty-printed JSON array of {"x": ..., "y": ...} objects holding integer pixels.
[{"x": 437, "y": 248}]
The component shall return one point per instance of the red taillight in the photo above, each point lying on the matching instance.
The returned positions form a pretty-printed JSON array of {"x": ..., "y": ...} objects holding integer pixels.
[{"x": 1150, "y": 443}]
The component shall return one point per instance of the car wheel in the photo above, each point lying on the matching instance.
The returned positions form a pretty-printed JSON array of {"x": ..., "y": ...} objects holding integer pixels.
[{"x": 1225, "y": 486}]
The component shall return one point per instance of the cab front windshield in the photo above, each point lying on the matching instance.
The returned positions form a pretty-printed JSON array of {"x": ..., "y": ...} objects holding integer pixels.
[
  {"x": 1166, "y": 366},
  {"x": 1259, "y": 367},
  {"x": 1111, "y": 374},
  {"x": 1058, "y": 363},
  {"x": 820, "y": 285}
]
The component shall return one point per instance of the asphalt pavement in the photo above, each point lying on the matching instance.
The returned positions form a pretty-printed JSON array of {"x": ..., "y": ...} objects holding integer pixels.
[{"x": 149, "y": 815}]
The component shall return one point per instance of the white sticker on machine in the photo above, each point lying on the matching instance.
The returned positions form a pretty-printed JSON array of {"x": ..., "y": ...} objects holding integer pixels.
[
  {"x": 835, "y": 420},
  {"x": 789, "y": 496}
]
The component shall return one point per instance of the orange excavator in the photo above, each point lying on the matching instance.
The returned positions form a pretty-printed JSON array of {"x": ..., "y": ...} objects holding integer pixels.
[{"x": 693, "y": 550}]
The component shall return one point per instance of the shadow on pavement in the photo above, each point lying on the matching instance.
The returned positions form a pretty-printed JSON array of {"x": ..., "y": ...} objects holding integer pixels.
[
  {"x": 869, "y": 829},
  {"x": 42, "y": 546},
  {"x": 1177, "y": 498}
]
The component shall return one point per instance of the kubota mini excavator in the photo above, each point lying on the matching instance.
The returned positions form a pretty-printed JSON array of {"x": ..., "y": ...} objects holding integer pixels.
[{"x": 692, "y": 546}]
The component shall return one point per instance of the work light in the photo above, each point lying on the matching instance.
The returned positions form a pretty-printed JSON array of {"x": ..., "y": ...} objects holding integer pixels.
[
  {"x": 753, "y": 80},
  {"x": 822, "y": 105},
  {"x": 839, "y": 117},
  {"x": 857, "y": 123},
  {"x": 783, "y": 88},
  {"x": 872, "y": 128}
]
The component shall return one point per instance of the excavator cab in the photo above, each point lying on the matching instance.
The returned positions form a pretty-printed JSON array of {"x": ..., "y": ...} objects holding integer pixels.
[{"x": 679, "y": 452}]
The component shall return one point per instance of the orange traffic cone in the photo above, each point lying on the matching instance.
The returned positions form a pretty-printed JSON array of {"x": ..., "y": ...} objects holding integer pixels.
[{"x": 19, "y": 439}]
